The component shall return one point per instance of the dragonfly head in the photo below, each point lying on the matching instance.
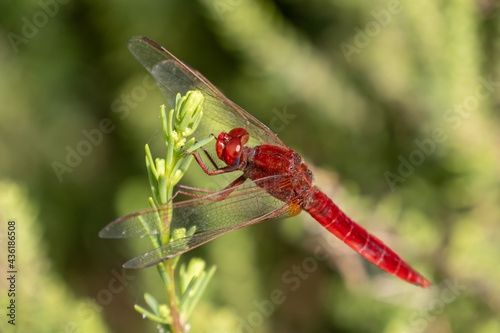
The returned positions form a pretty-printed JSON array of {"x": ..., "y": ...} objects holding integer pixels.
[{"x": 230, "y": 145}]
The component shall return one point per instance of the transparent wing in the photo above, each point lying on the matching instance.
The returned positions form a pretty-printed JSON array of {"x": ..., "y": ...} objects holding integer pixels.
[
  {"x": 179, "y": 246},
  {"x": 244, "y": 203},
  {"x": 173, "y": 76}
]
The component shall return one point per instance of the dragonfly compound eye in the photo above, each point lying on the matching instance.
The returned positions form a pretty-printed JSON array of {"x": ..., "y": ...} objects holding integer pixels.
[
  {"x": 222, "y": 139},
  {"x": 232, "y": 151},
  {"x": 240, "y": 133}
]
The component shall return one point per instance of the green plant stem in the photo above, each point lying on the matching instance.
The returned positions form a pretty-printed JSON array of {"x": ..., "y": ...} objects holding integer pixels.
[
  {"x": 169, "y": 267},
  {"x": 177, "y": 326}
]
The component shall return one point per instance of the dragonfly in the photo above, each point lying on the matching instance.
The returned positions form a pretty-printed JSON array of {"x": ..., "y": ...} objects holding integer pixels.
[{"x": 272, "y": 180}]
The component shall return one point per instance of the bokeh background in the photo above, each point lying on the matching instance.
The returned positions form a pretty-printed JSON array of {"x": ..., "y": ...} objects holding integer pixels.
[{"x": 393, "y": 103}]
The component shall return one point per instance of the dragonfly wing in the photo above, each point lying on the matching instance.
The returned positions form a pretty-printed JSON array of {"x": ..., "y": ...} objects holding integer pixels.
[
  {"x": 173, "y": 77},
  {"x": 241, "y": 204},
  {"x": 174, "y": 248},
  {"x": 179, "y": 246}
]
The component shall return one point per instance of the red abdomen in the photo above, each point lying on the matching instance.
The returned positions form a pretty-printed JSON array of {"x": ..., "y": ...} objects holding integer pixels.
[{"x": 332, "y": 218}]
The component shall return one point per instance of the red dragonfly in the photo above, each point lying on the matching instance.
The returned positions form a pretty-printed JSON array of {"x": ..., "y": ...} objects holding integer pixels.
[{"x": 272, "y": 182}]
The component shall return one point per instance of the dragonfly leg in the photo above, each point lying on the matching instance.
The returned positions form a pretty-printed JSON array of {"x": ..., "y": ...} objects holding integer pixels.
[
  {"x": 190, "y": 194},
  {"x": 203, "y": 166},
  {"x": 227, "y": 190},
  {"x": 231, "y": 187},
  {"x": 194, "y": 189},
  {"x": 210, "y": 157},
  {"x": 223, "y": 194}
]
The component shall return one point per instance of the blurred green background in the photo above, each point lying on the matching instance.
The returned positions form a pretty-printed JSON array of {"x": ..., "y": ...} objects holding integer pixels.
[{"x": 394, "y": 104}]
